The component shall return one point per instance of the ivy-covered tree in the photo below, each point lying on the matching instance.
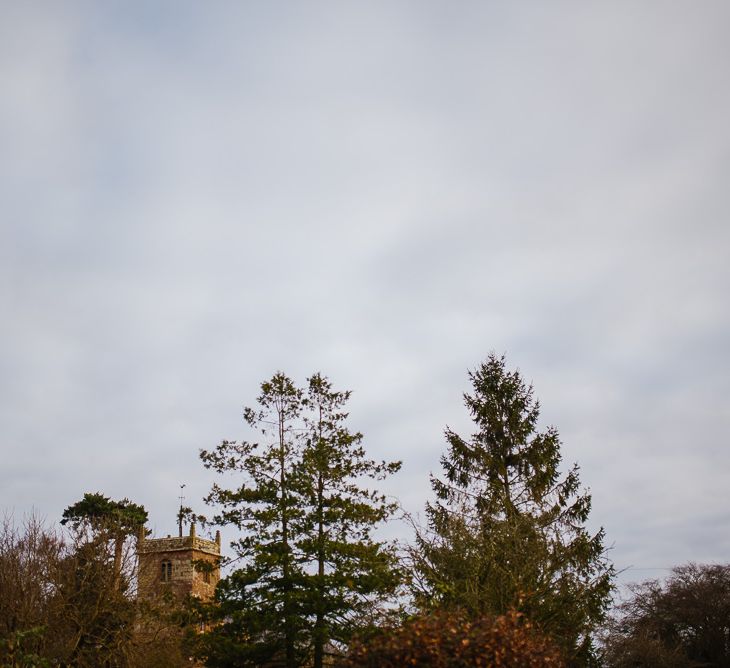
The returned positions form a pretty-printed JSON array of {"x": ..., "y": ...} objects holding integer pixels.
[
  {"x": 97, "y": 612},
  {"x": 507, "y": 529},
  {"x": 61, "y": 604},
  {"x": 309, "y": 566},
  {"x": 101, "y": 520}
]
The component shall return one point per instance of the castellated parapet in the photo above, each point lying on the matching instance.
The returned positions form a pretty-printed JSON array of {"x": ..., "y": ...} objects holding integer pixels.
[{"x": 167, "y": 565}]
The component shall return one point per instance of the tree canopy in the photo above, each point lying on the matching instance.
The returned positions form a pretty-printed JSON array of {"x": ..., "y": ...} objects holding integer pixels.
[
  {"x": 62, "y": 603},
  {"x": 677, "y": 623},
  {"x": 507, "y": 528},
  {"x": 505, "y": 571},
  {"x": 101, "y": 512},
  {"x": 310, "y": 570}
]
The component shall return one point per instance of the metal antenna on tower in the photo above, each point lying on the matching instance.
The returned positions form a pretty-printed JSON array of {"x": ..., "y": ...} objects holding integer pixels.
[{"x": 180, "y": 512}]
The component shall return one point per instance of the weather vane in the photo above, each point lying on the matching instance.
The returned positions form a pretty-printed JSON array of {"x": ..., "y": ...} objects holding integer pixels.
[{"x": 180, "y": 512}]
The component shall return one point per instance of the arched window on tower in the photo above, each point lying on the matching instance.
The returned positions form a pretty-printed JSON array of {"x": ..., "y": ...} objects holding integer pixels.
[{"x": 166, "y": 571}]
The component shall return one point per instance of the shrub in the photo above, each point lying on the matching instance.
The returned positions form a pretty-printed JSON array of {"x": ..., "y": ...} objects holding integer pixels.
[{"x": 452, "y": 640}]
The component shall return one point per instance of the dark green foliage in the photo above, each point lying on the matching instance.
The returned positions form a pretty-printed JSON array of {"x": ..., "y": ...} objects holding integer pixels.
[
  {"x": 352, "y": 571},
  {"x": 681, "y": 622},
  {"x": 310, "y": 570},
  {"x": 101, "y": 513},
  {"x": 264, "y": 593},
  {"x": 18, "y": 649},
  {"x": 506, "y": 529}
]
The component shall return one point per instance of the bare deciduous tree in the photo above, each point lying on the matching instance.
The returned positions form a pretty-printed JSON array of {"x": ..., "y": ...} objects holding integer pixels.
[
  {"x": 70, "y": 600},
  {"x": 29, "y": 556},
  {"x": 682, "y": 622}
]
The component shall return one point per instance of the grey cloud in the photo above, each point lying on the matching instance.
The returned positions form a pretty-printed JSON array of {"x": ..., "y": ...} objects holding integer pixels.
[{"x": 196, "y": 198}]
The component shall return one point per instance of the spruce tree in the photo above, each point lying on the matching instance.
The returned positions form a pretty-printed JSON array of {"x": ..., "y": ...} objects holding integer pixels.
[{"x": 506, "y": 530}]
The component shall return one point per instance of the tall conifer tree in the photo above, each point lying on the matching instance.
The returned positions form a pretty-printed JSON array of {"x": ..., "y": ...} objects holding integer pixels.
[
  {"x": 309, "y": 568},
  {"x": 350, "y": 571},
  {"x": 507, "y": 529},
  {"x": 259, "y": 600}
]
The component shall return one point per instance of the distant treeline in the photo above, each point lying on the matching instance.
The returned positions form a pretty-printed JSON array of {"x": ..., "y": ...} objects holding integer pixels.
[{"x": 503, "y": 573}]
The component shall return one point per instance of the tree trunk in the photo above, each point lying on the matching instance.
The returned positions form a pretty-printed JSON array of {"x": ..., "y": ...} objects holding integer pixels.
[
  {"x": 118, "y": 546},
  {"x": 319, "y": 627},
  {"x": 319, "y": 623},
  {"x": 289, "y": 631}
]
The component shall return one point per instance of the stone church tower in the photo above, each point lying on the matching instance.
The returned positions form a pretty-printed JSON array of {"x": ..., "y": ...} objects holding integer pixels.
[{"x": 167, "y": 565}]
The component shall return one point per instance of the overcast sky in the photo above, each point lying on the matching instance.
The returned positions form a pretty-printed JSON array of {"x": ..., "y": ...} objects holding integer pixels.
[{"x": 196, "y": 195}]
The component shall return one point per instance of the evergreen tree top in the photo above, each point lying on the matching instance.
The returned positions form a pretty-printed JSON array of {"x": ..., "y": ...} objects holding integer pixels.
[
  {"x": 101, "y": 511},
  {"x": 507, "y": 526}
]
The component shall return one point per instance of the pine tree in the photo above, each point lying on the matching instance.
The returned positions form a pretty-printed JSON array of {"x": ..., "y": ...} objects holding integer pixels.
[
  {"x": 309, "y": 566},
  {"x": 351, "y": 571},
  {"x": 507, "y": 529},
  {"x": 259, "y": 599},
  {"x": 103, "y": 520},
  {"x": 92, "y": 583}
]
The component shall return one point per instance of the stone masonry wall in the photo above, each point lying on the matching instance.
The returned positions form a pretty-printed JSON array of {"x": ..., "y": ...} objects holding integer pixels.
[{"x": 180, "y": 552}]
